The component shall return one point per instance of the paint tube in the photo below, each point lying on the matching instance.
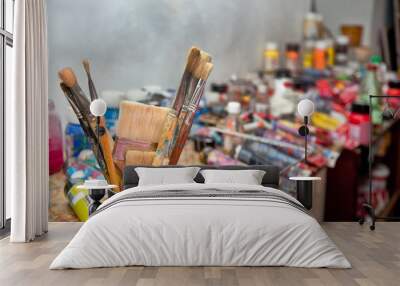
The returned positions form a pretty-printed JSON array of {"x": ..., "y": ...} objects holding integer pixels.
[
  {"x": 269, "y": 152},
  {"x": 218, "y": 158},
  {"x": 248, "y": 157}
]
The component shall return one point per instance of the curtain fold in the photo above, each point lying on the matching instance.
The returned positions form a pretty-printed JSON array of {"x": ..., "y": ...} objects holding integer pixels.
[{"x": 27, "y": 126}]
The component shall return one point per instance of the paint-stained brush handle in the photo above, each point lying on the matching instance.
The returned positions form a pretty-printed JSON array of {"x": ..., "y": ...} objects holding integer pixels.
[
  {"x": 107, "y": 145},
  {"x": 164, "y": 144}
]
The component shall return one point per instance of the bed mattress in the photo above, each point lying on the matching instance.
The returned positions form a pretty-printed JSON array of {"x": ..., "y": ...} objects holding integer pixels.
[{"x": 201, "y": 225}]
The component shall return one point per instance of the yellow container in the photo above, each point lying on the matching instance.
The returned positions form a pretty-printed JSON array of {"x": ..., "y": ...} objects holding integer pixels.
[{"x": 79, "y": 201}]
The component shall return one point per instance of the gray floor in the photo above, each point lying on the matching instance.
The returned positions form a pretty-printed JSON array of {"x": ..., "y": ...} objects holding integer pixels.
[{"x": 375, "y": 257}]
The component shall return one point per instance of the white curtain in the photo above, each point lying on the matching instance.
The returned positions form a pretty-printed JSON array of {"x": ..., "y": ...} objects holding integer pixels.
[{"x": 26, "y": 124}]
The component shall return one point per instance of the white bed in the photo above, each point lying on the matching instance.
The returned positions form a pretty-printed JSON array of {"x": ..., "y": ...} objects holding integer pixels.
[{"x": 225, "y": 225}]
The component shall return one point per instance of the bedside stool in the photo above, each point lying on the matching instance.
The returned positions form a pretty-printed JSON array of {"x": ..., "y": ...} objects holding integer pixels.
[{"x": 304, "y": 190}]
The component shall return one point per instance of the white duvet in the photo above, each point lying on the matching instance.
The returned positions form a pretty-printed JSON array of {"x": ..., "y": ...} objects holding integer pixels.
[{"x": 190, "y": 231}]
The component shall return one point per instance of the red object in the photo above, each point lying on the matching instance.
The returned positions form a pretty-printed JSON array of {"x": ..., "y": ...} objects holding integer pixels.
[
  {"x": 359, "y": 124},
  {"x": 349, "y": 94},
  {"x": 394, "y": 90},
  {"x": 324, "y": 88}
]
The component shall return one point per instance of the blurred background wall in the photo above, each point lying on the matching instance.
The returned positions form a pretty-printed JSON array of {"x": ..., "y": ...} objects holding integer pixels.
[{"x": 137, "y": 43}]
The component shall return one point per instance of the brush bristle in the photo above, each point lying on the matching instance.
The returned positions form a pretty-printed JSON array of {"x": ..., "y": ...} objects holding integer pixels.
[
  {"x": 205, "y": 56},
  {"x": 208, "y": 67},
  {"x": 193, "y": 59},
  {"x": 141, "y": 121},
  {"x": 199, "y": 70},
  {"x": 135, "y": 157},
  {"x": 68, "y": 77},
  {"x": 86, "y": 65}
]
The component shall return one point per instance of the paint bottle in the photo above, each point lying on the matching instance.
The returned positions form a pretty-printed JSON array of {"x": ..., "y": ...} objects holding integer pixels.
[
  {"x": 308, "y": 49},
  {"x": 232, "y": 123},
  {"x": 341, "y": 50},
  {"x": 271, "y": 57},
  {"x": 319, "y": 55},
  {"x": 312, "y": 26},
  {"x": 359, "y": 123},
  {"x": 393, "y": 89},
  {"x": 292, "y": 57},
  {"x": 330, "y": 52},
  {"x": 371, "y": 86}
]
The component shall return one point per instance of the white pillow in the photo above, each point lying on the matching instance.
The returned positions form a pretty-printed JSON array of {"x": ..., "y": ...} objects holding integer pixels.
[
  {"x": 248, "y": 177},
  {"x": 164, "y": 176}
]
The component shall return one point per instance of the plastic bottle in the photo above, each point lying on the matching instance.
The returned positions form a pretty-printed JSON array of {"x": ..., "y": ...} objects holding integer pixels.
[
  {"x": 381, "y": 67},
  {"x": 359, "y": 122},
  {"x": 56, "y": 155},
  {"x": 393, "y": 89},
  {"x": 319, "y": 55},
  {"x": 279, "y": 101},
  {"x": 271, "y": 57},
  {"x": 232, "y": 123},
  {"x": 330, "y": 53},
  {"x": 308, "y": 49},
  {"x": 341, "y": 50},
  {"x": 292, "y": 57},
  {"x": 371, "y": 86},
  {"x": 310, "y": 26}
]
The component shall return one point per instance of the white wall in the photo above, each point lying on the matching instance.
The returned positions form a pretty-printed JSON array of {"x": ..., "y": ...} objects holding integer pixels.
[
  {"x": 137, "y": 43},
  {"x": 338, "y": 12}
]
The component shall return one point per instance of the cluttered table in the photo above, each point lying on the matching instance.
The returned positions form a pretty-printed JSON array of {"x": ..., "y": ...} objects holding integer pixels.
[{"x": 248, "y": 120}]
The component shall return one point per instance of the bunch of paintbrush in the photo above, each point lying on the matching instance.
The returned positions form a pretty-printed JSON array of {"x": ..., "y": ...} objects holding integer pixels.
[
  {"x": 102, "y": 145},
  {"x": 180, "y": 118}
]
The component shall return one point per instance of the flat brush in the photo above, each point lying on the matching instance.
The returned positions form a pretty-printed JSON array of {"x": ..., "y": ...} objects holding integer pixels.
[
  {"x": 139, "y": 128},
  {"x": 92, "y": 88}
]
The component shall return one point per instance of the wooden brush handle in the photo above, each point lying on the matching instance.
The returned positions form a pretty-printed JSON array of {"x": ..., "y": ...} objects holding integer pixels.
[
  {"x": 185, "y": 123},
  {"x": 181, "y": 140},
  {"x": 107, "y": 144},
  {"x": 164, "y": 144}
]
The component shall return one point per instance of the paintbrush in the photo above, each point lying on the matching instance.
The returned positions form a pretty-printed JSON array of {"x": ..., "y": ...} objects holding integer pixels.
[
  {"x": 183, "y": 96},
  {"x": 139, "y": 128},
  {"x": 135, "y": 157},
  {"x": 187, "y": 115},
  {"x": 167, "y": 134},
  {"x": 68, "y": 77},
  {"x": 92, "y": 88},
  {"x": 107, "y": 145},
  {"x": 191, "y": 63},
  {"x": 105, "y": 139}
]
